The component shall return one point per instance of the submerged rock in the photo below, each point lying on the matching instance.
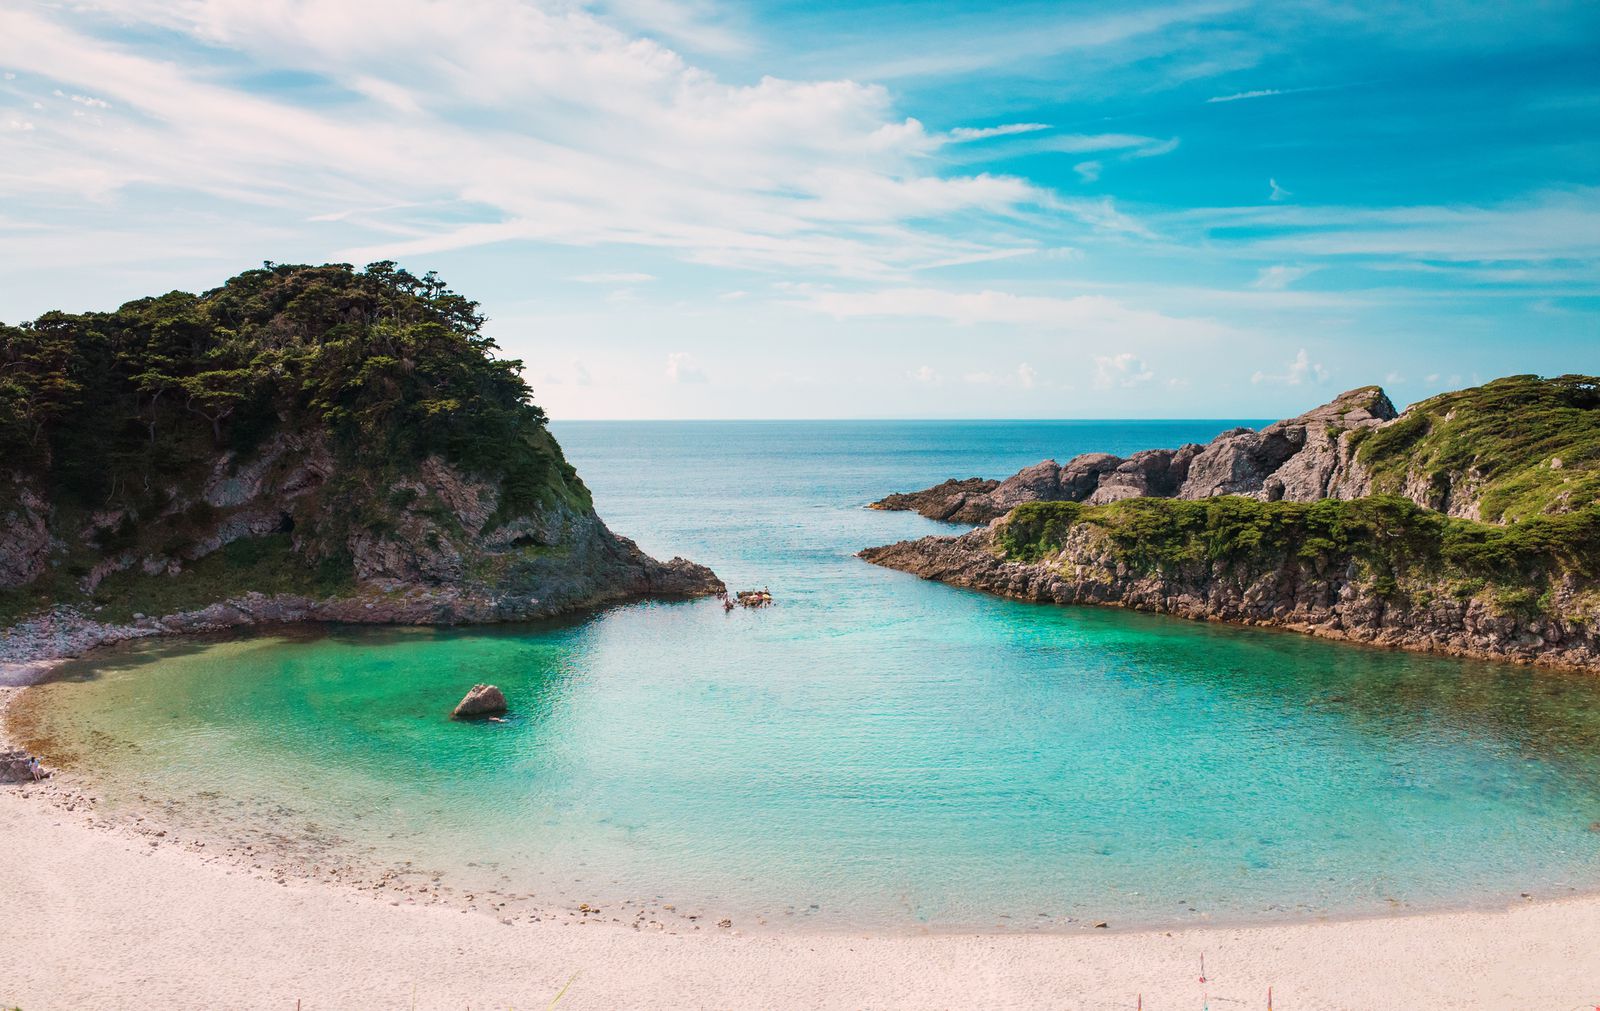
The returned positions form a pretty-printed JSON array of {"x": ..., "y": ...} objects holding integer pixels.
[{"x": 482, "y": 700}]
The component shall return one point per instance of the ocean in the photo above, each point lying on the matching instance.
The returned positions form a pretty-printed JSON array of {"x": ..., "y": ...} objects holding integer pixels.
[{"x": 871, "y": 752}]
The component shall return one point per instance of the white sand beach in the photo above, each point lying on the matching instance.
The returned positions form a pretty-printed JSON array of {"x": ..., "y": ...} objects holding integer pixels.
[{"x": 97, "y": 918}]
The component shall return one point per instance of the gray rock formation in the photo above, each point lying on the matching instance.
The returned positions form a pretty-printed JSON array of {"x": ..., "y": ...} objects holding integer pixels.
[
  {"x": 431, "y": 550},
  {"x": 1300, "y": 459},
  {"x": 482, "y": 700}
]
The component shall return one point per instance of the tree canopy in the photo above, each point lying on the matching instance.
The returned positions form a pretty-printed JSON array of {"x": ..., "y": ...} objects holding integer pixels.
[{"x": 105, "y": 405}]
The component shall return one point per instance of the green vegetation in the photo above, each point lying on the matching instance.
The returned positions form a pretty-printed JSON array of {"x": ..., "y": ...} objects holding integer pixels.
[
  {"x": 110, "y": 408},
  {"x": 1397, "y": 544},
  {"x": 1521, "y": 445},
  {"x": 118, "y": 420},
  {"x": 266, "y": 565}
]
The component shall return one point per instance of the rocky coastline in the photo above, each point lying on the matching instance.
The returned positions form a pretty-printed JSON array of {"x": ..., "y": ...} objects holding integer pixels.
[
  {"x": 1300, "y": 459},
  {"x": 301, "y": 444},
  {"x": 1330, "y": 601}
]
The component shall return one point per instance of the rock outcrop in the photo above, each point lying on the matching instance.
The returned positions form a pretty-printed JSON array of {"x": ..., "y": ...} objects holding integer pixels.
[
  {"x": 1320, "y": 597},
  {"x": 311, "y": 443},
  {"x": 482, "y": 700},
  {"x": 1300, "y": 459}
]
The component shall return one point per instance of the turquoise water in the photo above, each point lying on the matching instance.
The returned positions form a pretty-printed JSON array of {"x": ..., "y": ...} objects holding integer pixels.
[{"x": 874, "y": 751}]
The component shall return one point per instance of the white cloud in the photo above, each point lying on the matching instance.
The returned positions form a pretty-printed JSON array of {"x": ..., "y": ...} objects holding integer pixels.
[
  {"x": 962, "y": 134},
  {"x": 681, "y": 369},
  {"x": 614, "y": 278},
  {"x": 691, "y": 24},
  {"x": 1088, "y": 316},
  {"x": 1025, "y": 377},
  {"x": 1240, "y": 96},
  {"x": 1278, "y": 192},
  {"x": 1081, "y": 143},
  {"x": 1277, "y": 278},
  {"x": 1552, "y": 225},
  {"x": 1300, "y": 371},
  {"x": 1088, "y": 171},
  {"x": 1123, "y": 370},
  {"x": 1267, "y": 93},
  {"x": 926, "y": 374},
  {"x": 487, "y": 121}
]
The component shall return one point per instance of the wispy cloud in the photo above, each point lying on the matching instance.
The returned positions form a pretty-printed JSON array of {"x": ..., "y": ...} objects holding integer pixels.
[
  {"x": 1123, "y": 371},
  {"x": 682, "y": 369},
  {"x": 614, "y": 278},
  {"x": 1299, "y": 371},
  {"x": 1087, "y": 316},
  {"x": 1242, "y": 95},
  {"x": 1135, "y": 145},
  {"x": 1277, "y": 278},
  {"x": 965, "y": 133},
  {"x": 779, "y": 174}
]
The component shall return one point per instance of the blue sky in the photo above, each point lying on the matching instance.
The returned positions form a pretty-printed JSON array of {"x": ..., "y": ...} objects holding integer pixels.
[{"x": 684, "y": 208}]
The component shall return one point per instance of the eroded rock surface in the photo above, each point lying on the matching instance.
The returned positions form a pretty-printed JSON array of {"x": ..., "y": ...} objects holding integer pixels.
[
  {"x": 482, "y": 700},
  {"x": 1321, "y": 598},
  {"x": 1300, "y": 459}
]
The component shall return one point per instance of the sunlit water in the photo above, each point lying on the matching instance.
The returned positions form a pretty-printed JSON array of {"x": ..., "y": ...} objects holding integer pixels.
[{"x": 874, "y": 750}]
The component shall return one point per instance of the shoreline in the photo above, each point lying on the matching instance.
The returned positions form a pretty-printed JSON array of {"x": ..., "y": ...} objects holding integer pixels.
[
  {"x": 103, "y": 918},
  {"x": 966, "y": 562},
  {"x": 281, "y": 856},
  {"x": 208, "y": 925}
]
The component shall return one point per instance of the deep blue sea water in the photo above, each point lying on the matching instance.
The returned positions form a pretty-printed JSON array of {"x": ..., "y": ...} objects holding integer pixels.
[{"x": 874, "y": 750}]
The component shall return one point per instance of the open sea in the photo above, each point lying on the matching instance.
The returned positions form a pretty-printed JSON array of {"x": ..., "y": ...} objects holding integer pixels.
[{"x": 873, "y": 751}]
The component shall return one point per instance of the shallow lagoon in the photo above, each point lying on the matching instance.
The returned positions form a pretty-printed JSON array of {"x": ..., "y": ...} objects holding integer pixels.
[{"x": 874, "y": 750}]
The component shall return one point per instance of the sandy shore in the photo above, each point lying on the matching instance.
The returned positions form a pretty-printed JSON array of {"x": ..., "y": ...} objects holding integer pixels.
[
  {"x": 101, "y": 919},
  {"x": 93, "y": 916}
]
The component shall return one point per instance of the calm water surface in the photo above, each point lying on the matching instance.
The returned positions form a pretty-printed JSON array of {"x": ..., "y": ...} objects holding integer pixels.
[{"x": 875, "y": 750}]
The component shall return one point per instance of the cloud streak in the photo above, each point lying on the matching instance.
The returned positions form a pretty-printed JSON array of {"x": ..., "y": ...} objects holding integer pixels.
[{"x": 778, "y": 174}]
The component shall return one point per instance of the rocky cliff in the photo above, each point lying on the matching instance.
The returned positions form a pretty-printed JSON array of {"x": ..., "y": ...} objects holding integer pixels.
[
  {"x": 1378, "y": 570},
  {"x": 304, "y": 443},
  {"x": 1516, "y": 447}
]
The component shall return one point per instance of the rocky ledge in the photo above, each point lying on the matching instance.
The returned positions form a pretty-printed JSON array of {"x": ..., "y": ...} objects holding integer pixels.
[
  {"x": 1332, "y": 595},
  {"x": 1300, "y": 459}
]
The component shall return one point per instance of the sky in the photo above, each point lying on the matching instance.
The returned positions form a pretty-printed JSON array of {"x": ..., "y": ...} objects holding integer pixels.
[{"x": 700, "y": 209}]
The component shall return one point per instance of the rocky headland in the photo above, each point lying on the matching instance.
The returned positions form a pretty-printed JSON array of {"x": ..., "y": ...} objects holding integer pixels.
[
  {"x": 1468, "y": 525},
  {"x": 301, "y": 444},
  {"x": 1299, "y": 460}
]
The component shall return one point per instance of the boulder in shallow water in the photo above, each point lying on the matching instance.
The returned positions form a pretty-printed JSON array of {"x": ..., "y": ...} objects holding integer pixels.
[{"x": 483, "y": 700}]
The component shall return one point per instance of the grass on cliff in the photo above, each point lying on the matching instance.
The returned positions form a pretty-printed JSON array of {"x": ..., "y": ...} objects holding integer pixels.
[
  {"x": 267, "y": 565},
  {"x": 1390, "y": 538},
  {"x": 1506, "y": 436}
]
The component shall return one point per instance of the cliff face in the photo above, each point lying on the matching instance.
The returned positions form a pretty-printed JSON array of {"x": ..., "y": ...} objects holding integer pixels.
[
  {"x": 362, "y": 466},
  {"x": 1300, "y": 459},
  {"x": 1334, "y": 593}
]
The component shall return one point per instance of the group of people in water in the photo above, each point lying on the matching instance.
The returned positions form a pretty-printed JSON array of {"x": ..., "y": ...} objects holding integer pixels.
[{"x": 745, "y": 598}]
